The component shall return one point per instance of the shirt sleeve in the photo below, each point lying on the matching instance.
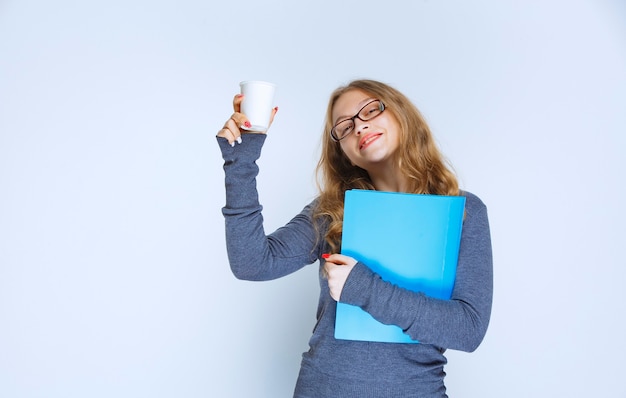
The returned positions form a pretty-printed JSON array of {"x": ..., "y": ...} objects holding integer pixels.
[
  {"x": 459, "y": 323},
  {"x": 252, "y": 254}
]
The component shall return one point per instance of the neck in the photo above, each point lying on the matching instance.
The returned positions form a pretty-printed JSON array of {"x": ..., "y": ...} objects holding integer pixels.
[{"x": 389, "y": 180}]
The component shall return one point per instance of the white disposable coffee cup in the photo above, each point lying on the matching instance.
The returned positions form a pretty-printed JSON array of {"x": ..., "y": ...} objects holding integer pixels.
[{"x": 257, "y": 104}]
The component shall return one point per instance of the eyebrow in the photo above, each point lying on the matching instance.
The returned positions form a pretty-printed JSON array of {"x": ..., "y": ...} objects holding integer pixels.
[{"x": 360, "y": 106}]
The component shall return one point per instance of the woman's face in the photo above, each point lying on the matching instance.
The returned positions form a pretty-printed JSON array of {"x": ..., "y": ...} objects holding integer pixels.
[{"x": 373, "y": 144}]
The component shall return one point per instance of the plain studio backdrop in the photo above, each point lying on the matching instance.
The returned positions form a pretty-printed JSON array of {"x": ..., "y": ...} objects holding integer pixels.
[{"x": 114, "y": 280}]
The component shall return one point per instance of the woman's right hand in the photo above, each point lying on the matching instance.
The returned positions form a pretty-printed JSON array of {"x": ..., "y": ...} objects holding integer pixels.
[
  {"x": 337, "y": 267},
  {"x": 238, "y": 121}
]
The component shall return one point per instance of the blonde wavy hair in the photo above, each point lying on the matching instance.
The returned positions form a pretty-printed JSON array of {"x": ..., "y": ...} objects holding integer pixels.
[{"x": 419, "y": 159}]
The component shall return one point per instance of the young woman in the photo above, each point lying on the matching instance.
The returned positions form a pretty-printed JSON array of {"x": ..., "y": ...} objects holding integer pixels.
[{"x": 374, "y": 138}]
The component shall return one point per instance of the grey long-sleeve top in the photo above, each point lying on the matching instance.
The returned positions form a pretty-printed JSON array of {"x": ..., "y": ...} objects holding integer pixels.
[{"x": 353, "y": 368}]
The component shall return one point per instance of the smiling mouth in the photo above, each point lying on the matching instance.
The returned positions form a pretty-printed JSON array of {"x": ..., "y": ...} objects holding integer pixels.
[{"x": 368, "y": 139}]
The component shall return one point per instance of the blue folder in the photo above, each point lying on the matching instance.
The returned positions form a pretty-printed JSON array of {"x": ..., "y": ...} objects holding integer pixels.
[{"x": 410, "y": 240}]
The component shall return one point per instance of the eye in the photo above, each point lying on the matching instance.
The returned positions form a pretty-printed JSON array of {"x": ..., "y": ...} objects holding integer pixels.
[
  {"x": 371, "y": 109},
  {"x": 344, "y": 128}
]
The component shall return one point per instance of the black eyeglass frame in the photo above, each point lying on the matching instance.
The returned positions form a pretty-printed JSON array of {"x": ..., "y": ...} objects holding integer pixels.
[{"x": 382, "y": 108}]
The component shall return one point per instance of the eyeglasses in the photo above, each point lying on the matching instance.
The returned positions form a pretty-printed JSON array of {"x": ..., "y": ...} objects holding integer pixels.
[{"x": 345, "y": 127}]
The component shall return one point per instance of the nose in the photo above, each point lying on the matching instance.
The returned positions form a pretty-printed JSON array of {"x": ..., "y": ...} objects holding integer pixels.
[{"x": 360, "y": 125}]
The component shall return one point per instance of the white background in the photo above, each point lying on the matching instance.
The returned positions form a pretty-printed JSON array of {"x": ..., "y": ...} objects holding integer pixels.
[{"x": 114, "y": 280}]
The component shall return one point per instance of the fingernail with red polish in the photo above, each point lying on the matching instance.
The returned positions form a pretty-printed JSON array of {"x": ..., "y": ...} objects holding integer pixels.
[
  {"x": 325, "y": 256},
  {"x": 247, "y": 124}
]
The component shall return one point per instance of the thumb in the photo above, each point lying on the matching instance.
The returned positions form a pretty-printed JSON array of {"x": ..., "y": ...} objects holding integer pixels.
[{"x": 273, "y": 114}]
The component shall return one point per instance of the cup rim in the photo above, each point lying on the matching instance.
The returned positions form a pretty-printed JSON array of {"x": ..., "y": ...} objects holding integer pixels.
[{"x": 243, "y": 83}]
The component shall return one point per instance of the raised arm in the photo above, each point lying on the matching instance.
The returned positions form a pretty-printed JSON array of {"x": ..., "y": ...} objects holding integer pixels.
[{"x": 252, "y": 254}]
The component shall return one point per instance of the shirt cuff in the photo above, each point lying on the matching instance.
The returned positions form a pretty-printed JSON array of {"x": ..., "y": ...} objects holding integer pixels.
[
  {"x": 250, "y": 146},
  {"x": 357, "y": 289}
]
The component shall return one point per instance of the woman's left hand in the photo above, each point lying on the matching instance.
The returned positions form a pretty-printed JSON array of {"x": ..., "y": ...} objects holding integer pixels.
[{"x": 337, "y": 268}]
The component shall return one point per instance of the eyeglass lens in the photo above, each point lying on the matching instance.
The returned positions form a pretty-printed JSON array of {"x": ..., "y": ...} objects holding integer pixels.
[{"x": 369, "y": 111}]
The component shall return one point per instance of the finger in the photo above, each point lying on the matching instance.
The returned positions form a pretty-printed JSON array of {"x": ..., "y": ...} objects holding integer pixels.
[
  {"x": 241, "y": 120},
  {"x": 230, "y": 131},
  {"x": 239, "y": 117},
  {"x": 328, "y": 270},
  {"x": 336, "y": 258},
  {"x": 226, "y": 133},
  {"x": 273, "y": 114},
  {"x": 330, "y": 260},
  {"x": 237, "y": 102},
  {"x": 234, "y": 128},
  {"x": 336, "y": 279},
  {"x": 333, "y": 270},
  {"x": 345, "y": 260}
]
